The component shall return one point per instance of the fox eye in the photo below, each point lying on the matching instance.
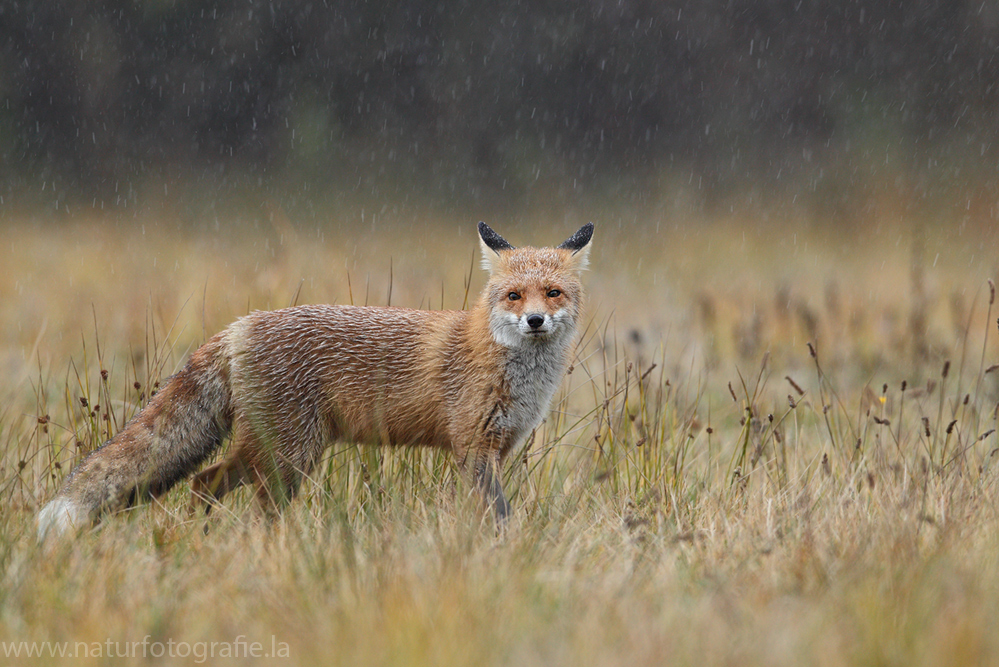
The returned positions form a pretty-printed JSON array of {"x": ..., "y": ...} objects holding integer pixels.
[
  {"x": 513, "y": 296},
  {"x": 552, "y": 293}
]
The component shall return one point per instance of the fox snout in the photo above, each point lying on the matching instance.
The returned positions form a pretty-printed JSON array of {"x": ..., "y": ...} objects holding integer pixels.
[{"x": 537, "y": 325}]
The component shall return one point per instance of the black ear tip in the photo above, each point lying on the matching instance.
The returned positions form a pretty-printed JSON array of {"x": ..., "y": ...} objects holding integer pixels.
[
  {"x": 578, "y": 241},
  {"x": 492, "y": 239}
]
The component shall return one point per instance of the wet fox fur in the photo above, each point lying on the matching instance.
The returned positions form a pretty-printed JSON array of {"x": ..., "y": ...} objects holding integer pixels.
[{"x": 288, "y": 383}]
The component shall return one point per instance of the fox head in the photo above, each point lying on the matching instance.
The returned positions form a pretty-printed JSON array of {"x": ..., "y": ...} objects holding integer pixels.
[{"x": 534, "y": 295}]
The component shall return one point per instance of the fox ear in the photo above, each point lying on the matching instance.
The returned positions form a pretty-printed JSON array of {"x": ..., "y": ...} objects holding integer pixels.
[
  {"x": 579, "y": 244},
  {"x": 491, "y": 243}
]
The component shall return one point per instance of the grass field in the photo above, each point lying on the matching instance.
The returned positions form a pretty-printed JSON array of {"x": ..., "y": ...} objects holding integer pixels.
[{"x": 776, "y": 446}]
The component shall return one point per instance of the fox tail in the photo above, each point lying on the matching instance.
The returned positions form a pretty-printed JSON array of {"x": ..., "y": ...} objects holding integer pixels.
[{"x": 180, "y": 427}]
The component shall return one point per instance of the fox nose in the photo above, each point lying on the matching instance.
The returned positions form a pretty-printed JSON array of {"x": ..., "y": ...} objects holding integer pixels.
[{"x": 535, "y": 321}]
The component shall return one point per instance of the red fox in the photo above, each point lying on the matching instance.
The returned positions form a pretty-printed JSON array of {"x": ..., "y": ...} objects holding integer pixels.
[{"x": 288, "y": 383}]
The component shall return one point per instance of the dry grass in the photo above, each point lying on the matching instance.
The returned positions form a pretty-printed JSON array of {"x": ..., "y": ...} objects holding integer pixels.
[{"x": 686, "y": 503}]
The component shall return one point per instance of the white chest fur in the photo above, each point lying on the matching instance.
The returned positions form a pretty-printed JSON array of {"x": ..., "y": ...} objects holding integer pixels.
[{"x": 533, "y": 373}]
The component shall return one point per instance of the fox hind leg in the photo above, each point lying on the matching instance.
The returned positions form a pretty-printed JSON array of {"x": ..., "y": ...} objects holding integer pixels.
[
  {"x": 210, "y": 485},
  {"x": 278, "y": 470},
  {"x": 214, "y": 482},
  {"x": 275, "y": 463}
]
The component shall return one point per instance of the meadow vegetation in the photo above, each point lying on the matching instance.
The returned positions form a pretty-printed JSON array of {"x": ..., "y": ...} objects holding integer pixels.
[{"x": 776, "y": 446}]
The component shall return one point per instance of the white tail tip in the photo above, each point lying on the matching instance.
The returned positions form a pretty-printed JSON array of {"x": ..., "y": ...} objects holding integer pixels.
[{"x": 59, "y": 517}]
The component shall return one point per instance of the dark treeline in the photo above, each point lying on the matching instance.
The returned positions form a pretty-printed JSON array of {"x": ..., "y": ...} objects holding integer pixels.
[{"x": 486, "y": 98}]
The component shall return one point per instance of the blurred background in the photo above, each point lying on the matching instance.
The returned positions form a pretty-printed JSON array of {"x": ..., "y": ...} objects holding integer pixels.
[
  {"x": 836, "y": 111},
  {"x": 761, "y": 174}
]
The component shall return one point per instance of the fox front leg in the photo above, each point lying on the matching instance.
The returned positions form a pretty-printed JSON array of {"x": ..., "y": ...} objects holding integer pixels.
[
  {"x": 482, "y": 465},
  {"x": 487, "y": 478}
]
